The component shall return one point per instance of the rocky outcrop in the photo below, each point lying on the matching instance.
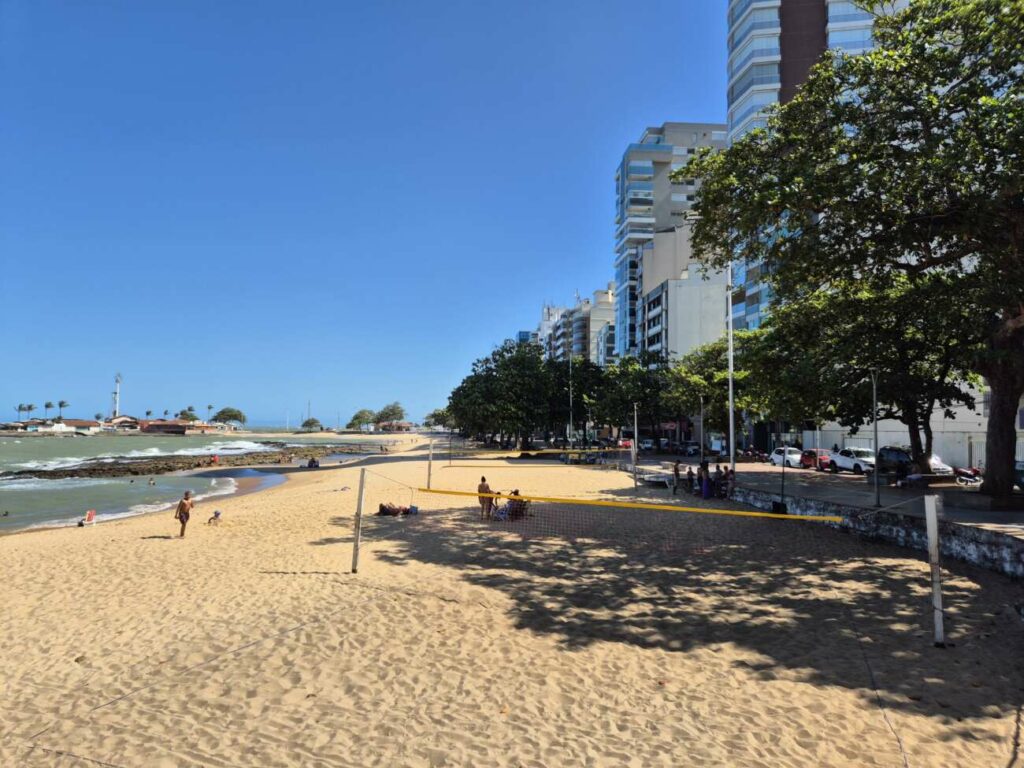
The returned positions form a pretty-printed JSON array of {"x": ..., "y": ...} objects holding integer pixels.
[{"x": 160, "y": 465}]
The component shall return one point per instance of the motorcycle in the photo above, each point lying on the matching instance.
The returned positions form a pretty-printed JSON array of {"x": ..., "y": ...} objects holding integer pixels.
[{"x": 967, "y": 476}]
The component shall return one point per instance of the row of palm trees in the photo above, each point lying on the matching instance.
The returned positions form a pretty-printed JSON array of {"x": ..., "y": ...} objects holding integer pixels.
[
  {"x": 47, "y": 406},
  {"x": 28, "y": 408}
]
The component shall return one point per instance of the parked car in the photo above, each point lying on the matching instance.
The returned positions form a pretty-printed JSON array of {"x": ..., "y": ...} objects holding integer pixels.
[
  {"x": 814, "y": 458},
  {"x": 788, "y": 456},
  {"x": 856, "y": 460},
  {"x": 691, "y": 448},
  {"x": 898, "y": 460},
  {"x": 646, "y": 444}
]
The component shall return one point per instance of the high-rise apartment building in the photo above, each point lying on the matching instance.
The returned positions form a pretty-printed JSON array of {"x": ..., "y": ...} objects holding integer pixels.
[
  {"x": 581, "y": 330},
  {"x": 772, "y": 46},
  {"x": 647, "y": 202}
]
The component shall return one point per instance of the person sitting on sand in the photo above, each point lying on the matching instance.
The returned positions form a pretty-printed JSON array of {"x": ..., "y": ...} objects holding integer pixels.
[
  {"x": 516, "y": 507},
  {"x": 215, "y": 519},
  {"x": 485, "y": 501},
  {"x": 184, "y": 511}
]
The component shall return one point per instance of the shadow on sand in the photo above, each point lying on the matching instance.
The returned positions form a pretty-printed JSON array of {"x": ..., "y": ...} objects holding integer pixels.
[{"x": 818, "y": 605}]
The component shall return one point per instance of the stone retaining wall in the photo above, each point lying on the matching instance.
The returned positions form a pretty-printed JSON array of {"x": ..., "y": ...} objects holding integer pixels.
[{"x": 980, "y": 546}]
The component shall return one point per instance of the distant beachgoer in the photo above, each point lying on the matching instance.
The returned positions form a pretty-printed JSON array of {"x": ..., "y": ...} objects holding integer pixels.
[
  {"x": 485, "y": 501},
  {"x": 152, "y": 481},
  {"x": 132, "y": 480},
  {"x": 705, "y": 483},
  {"x": 215, "y": 519},
  {"x": 675, "y": 477},
  {"x": 689, "y": 479},
  {"x": 184, "y": 511},
  {"x": 6, "y": 513},
  {"x": 835, "y": 447}
]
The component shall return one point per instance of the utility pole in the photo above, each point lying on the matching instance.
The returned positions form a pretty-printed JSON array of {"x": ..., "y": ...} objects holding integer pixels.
[
  {"x": 636, "y": 445},
  {"x": 116, "y": 406},
  {"x": 874, "y": 418},
  {"x": 732, "y": 408}
]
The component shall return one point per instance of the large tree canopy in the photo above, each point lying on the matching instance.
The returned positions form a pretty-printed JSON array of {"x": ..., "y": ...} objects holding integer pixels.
[
  {"x": 390, "y": 412},
  {"x": 904, "y": 163},
  {"x": 229, "y": 414},
  {"x": 360, "y": 419}
]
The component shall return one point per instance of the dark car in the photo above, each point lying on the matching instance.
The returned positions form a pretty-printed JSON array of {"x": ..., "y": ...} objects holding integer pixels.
[
  {"x": 814, "y": 458},
  {"x": 891, "y": 458}
]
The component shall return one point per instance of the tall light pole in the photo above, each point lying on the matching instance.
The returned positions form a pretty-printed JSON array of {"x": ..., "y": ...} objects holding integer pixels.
[
  {"x": 702, "y": 430},
  {"x": 874, "y": 418},
  {"x": 732, "y": 409},
  {"x": 636, "y": 444}
]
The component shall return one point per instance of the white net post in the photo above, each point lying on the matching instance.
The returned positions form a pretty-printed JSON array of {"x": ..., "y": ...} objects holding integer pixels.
[
  {"x": 932, "y": 506},
  {"x": 359, "y": 521}
]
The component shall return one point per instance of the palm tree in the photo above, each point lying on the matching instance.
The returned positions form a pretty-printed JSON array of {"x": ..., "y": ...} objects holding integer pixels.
[
  {"x": 209, "y": 410},
  {"x": 148, "y": 414},
  {"x": 19, "y": 408},
  {"x": 46, "y": 409},
  {"x": 166, "y": 413},
  {"x": 61, "y": 405},
  {"x": 99, "y": 417},
  {"x": 29, "y": 408}
]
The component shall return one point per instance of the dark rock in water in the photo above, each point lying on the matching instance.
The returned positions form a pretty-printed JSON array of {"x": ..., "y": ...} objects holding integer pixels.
[{"x": 164, "y": 464}]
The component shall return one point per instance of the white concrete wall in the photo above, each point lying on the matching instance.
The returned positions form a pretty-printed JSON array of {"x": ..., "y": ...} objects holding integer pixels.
[{"x": 696, "y": 313}]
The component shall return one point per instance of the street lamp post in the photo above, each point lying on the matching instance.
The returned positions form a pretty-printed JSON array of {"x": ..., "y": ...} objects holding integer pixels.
[
  {"x": 874, "y": 419},
  {"x": 702, "y": 430},
  {"x": 636, "y": 445},
  {"x": 732, "y": 409}
]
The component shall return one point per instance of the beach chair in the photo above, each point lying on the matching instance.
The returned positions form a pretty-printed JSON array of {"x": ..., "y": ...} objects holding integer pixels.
[{"x": 90, "y": 517}]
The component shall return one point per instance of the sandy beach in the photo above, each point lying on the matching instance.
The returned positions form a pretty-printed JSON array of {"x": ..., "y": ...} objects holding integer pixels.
[{"x": 702, "y": 641}]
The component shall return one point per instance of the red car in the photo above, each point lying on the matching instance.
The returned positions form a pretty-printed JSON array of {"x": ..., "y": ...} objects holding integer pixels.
[{"x": 814, "y": 458}]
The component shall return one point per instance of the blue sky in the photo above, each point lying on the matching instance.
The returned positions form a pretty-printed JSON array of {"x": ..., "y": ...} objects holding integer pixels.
[{"x": 263, "y": 203}]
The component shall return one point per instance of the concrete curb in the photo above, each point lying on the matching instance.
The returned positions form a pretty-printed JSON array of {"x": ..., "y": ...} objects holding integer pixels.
[{"x": 983, "y": 547}]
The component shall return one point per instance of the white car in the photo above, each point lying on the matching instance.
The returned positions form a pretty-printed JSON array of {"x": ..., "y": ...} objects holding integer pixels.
[
  {"x": 788, "y": 456},
  {"x": 856, "y": 460},
  {"x": 939, "y": 467},
  {"x": 646, "y": 444}
]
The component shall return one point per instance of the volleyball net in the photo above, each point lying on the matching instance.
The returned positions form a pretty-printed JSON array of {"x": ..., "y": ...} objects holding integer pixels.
[{"x": 467, "y": 518}]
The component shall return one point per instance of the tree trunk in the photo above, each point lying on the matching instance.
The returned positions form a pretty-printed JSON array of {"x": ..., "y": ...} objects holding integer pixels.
[
  {"x": 1005, "y": 390},
  {"x": 913, "y": 422}
]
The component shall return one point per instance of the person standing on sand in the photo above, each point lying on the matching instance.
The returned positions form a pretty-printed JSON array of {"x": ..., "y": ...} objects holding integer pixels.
[
  {"x": 184, "y": 511},
  {"x": 485, "y": 501},
  {"x": 675, "y": 478}
]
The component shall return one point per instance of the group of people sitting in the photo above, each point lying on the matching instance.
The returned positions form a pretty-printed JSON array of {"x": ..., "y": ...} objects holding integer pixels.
[
  {"x": 719, "y": 484},
  {"x": 387, "y": 509},
  {"x": 490, "y": 509},
  {"x": 313, "y": 463}
]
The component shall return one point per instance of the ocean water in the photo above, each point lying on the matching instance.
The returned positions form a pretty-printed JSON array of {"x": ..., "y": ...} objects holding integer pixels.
[{"x": 30, "y": 501}]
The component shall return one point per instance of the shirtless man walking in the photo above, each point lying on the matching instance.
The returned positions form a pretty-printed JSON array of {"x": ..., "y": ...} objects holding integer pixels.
[{"x": 184, "y": 511}]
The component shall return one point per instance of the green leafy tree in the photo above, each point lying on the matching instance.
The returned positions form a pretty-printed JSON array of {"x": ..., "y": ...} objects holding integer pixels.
[
  {"x": 209, "y": 410},
  {"x": 188, "y": 414},
  {"x": 311, "y": 424},
  {"x": 390, "y": 412},
  {"x": 225, "y": 415},
  {"x": 641, "y": 380},
  {"x": 360, "y": 419},
  {"x": 854, "y": 329},
  {"x": 588, "y": 385},
  {"x": 506, "y": 393},
  {"x": 902, "y": 162},
  {"x": 61, "y": 405},
  {"x": 46, "y": 408},
  {"x": 439, "y": 417},
  {"x": 704, "y": 373}
]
